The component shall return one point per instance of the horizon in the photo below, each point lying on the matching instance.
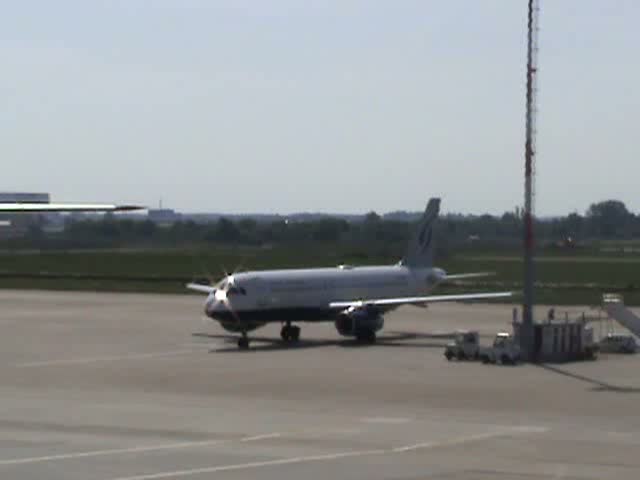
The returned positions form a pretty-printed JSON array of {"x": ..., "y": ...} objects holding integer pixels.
[{"x": 443, "y": 213}]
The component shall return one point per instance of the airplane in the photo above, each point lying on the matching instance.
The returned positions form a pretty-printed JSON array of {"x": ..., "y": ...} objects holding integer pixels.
[
  {"x": 37, "y": 207},
  {"x": 17, "y": 208},
  {"x": 354, "y": 298}
]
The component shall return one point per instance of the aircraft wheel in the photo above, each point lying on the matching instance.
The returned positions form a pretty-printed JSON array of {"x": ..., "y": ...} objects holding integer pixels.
[
  {"x": 367, "y": 337},
  {"x": 285, "y": 334},
  {"x": 294, "y": 334},
  {"x": 290, "y": 333},
  {"x": 243, "y": 343}
]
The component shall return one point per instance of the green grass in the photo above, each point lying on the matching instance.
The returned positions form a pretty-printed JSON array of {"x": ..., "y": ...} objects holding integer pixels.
[
  {"x": 587, "y": 270},
  {"x": 185, "y": 263},
  {"x": 103, "y": 285},
  {"x": 579, "y": 277}
]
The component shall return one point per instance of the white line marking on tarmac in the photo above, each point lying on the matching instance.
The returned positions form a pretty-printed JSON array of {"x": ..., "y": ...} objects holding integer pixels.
[
  {"x": 260, "y": 437},
  {"x": 333, "y": 456},
  {"x": 242, "y": 466},
  {"x": 140, "y": 449},
  {"x": 469, "y": 438},
  {"x": 76, "y": 361}
]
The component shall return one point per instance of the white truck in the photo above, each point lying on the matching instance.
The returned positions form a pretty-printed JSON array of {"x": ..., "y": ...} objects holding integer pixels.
[
  {"x": 504, "y": 351},
  {"x": 465, "y": 346}
]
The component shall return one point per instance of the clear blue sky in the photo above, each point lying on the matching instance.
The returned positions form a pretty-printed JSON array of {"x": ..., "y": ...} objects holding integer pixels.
[{"x": 339, "y": 106}]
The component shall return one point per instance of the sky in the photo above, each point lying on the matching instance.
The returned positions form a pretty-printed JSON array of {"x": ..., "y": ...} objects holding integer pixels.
[{"x": 341, "y": 106}]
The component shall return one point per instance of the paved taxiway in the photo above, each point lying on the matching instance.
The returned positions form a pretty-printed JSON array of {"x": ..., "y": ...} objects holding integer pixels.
[{"x": 120, "y": 386}]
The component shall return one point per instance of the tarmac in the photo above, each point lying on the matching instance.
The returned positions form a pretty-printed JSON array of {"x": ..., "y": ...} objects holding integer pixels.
[{"x": 97, "y": 386}]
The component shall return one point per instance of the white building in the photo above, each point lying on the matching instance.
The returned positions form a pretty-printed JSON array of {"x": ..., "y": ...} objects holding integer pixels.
[
  {"x": 18, "y": 197},
  {"x": 15, "y": 225}
]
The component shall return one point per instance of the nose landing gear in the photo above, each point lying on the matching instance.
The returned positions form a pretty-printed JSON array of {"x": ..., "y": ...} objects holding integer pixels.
[{"x": 243, "y": 341}]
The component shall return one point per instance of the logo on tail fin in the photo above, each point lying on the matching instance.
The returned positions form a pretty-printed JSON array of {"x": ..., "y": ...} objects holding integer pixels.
[
  {"x": 420, "y": 248},
  {"x": 425, "y": 243}
]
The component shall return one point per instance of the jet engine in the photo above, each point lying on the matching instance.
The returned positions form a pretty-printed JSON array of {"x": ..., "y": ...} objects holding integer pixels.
[{"x": 360, "y": 322}]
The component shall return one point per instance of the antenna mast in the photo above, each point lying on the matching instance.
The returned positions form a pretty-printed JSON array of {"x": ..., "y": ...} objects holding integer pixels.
[{"x": 529, "y": 173}]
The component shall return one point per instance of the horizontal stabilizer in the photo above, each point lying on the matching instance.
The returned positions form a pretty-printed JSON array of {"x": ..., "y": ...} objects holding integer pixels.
[
  {"x": 389, "y": 302},
  {"x": 464, "y": 276}
]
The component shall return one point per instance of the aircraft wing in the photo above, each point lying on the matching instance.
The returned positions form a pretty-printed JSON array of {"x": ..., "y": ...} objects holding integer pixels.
[
  {"x": 198, "y": 287},
  {"x": 64, "y": 207},
  {"x": 396, "y": 302}
]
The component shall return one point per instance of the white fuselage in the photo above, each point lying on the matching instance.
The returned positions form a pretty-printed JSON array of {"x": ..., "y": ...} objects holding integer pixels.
[{"x": 305, "y": 294}]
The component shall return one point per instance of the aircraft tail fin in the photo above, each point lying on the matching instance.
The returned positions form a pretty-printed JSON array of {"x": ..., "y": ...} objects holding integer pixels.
[{"x": 421, "y": 245}]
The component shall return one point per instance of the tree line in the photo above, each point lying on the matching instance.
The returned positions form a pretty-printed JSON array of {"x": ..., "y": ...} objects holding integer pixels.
[{"x": 607, "y": 220}]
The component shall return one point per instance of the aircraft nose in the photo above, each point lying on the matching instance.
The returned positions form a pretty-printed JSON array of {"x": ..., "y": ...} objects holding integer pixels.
[{"x": 209, "y": 304}]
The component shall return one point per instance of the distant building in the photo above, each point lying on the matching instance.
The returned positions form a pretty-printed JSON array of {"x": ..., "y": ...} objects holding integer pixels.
[
  {"x": 17, "y": 197},
  {"x": 163, "y": 216},
  {"x": 16, "y": 225}
]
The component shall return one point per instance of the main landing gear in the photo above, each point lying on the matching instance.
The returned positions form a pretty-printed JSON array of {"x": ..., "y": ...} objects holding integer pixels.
[
  {"x": 368, "y": 336},
  {"x": 243, "y": 341},
  {"x": 290, "y": 333}
]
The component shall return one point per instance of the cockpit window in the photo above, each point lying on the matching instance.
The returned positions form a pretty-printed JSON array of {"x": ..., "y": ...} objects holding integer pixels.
[{"x": 236, "y": 291}]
